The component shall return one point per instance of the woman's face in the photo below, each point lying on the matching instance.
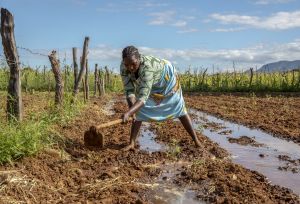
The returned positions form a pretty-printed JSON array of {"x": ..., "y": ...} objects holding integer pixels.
[{"x": 131, "y": 63}]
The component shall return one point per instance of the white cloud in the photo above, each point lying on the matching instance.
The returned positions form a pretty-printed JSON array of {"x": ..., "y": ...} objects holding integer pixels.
[
  {"x": 258, "y": 54},
  {"x": 188, "y": 30},
  {"x": 129, "y": 6},
  {"x": 266, "y": 2},
  {"x": 250, "y": 56},
  {"x": 149, "y": 4},
  {"x": 180, "y": 23},
  {"x": 162, "y": 18},
  {"x": 277, "y": 21},
  {"x": 189, "y": 17},
  {"x": 169, "y": 18},
  {"x": 226, "y": 30}
]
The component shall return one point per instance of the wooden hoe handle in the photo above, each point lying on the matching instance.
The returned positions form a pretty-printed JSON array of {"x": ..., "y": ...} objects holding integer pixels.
[{"x": 111, "y": 123}]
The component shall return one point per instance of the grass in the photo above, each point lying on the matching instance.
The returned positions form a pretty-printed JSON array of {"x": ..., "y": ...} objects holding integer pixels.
[
  {"x": 174, "y": 149},
  {"x": 241, "y": 81},
  {"x": 35, "y": 132},
  {"x": 18, "y": 140},
  {"x": 43, "y": 80},
  {"x": 40, "y": 79}
]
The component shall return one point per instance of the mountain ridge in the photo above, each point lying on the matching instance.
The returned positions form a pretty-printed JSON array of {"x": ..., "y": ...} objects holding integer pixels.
[{"x": 280, "y": 66}]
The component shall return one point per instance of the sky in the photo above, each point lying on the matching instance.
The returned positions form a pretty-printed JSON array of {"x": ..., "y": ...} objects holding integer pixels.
[{"x": 194, "y": 34}]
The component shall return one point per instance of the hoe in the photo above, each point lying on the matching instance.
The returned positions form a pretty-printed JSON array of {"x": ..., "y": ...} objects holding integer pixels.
[{"x": 93, "y": 136}]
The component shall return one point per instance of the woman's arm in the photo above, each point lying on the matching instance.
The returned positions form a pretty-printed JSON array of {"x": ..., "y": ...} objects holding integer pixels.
[
  {"x": 130, "y": 100},
  {"x": 133, "y": 109},
  {"x": 129, "y": 88}
]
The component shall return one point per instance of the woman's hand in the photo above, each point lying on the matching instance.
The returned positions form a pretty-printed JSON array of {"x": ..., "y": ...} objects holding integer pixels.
[
  {"x": 125, "y": 117},
  {"x": 131, "y": 112}
]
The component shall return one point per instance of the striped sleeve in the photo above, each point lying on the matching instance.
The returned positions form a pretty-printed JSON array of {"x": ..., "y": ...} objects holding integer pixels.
[
  {"x": 129, "y": 87},
  {"x": 144, "y": 88}
]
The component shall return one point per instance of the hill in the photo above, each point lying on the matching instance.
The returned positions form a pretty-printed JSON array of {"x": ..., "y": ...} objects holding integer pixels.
[{"x": 280, "y": 66}]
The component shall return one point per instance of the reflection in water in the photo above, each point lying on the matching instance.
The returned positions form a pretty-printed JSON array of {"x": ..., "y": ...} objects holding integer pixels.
[
  {"x": 166, "y": 192},
  {"x": 249, "y": 156},
  {"x": 146, "y": 140}
]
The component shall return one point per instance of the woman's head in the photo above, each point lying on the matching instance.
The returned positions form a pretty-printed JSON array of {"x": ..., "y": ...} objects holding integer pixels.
[{"x": 131, "y": 58}]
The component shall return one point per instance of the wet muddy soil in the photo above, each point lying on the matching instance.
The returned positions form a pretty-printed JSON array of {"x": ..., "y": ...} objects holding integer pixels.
[
  {"x": 275, "y": 114},
  {"x": 69, "y": 172},
  {"x": 245, "y": 140},
  {"x": 290, "y": 164},
  {"x": 213, "y": 175},
  {"x": 262, "y": 156}
]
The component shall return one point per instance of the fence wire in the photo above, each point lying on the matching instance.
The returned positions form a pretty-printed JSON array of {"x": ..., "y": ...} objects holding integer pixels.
[{"x": 3, "y": 59}]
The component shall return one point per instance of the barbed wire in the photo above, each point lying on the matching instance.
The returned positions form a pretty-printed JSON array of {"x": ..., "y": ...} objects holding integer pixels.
[
  {"x": 33, "y": 53},
  {"x": 3, "y": 59}
]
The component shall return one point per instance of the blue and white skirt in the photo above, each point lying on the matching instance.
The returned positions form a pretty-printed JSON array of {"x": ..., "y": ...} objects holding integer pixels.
[{"x": 165, "y": 100}]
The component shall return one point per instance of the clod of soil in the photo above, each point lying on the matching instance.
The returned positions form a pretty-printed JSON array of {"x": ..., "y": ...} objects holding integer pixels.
[
  {"x": 292, "y": 165},
  {"x": 214, "y": 127},
  {"x": 295, "y": 162},
  {"x": 225, "y": 132},
  {"x": 244, "y": 140},
  {"x": 92, "y": 137}
]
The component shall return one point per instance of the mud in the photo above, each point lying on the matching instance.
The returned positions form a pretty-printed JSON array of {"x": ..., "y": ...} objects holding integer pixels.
[
  {"x": 292, "y": 165},
  {"x": 213, "y": 175},
  {"x": 245, "y": 140},
  {"x": 93, "y": 137},
  {"x": 276, "y": 114},
  {"x": 247, "y": 155},
  {"x": 70, "y": 172}
]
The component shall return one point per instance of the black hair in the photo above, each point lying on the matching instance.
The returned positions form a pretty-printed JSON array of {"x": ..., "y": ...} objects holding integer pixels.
[{"x": 130, "y": 51}]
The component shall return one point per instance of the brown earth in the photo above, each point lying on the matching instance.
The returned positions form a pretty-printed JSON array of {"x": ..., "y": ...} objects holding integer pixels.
[
  {"x": 276, "y": 114},
  {"x": 70, "y": 172}
]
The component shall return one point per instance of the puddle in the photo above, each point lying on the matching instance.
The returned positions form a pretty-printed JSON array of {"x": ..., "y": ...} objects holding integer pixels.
[
  {"x": 163, "y": 190},
  {"x": 263, "y": 159},
  {"x": 146, "y": 140},
  {"x": 166, "y": 192},
  {"x": 171, "y": 195}
]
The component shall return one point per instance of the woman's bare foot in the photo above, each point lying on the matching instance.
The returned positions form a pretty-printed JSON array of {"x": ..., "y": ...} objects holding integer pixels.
[{"x": 129, "y": 147}]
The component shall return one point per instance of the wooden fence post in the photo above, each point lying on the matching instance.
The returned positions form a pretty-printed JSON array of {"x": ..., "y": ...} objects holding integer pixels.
[
  {"x": 107, "y": 77},
  {"x": 58, "y": 78},
  {"x": 87, "y": 87},
  {"x": 14, "y": 98},
  {"x": 251, "y": 77},
  {"x": 101, "y": 84},
  {"x": 82, "y": 65},
  {"x": 44, "y": 74},
  {"x": 96, "y": 79},
  {"x": 74, "y": 49},
  {"x": 84, "y": 89}
]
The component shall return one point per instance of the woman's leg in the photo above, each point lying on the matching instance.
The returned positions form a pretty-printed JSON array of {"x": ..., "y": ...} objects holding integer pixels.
[
  {"x": 135, "y": 128},
  {"x": 187, "y": 124}
]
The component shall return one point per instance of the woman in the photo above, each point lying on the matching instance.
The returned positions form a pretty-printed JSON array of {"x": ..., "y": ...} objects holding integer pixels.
[{"x": 152, "y": 91}]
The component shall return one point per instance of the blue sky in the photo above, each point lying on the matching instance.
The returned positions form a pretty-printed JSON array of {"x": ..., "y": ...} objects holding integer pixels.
[{"x": 192, "y": 33}]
